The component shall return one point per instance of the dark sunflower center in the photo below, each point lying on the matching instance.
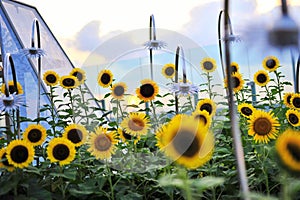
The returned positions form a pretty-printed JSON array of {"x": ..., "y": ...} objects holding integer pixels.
[
  {"x": 208, "y": 65},
  {"x": 293, "y": 118},
  {"x": 51, "y": 78},
  {"x": 207, "y": 107},
  {"x": 201, "y": 118},
  {"x": 78, "y": 75},
  {"x": 262, "y": 126},
  {"x": 136, "y": 124},
  {"x": 102, "y": 143},
  {"x": 68, "y": 82},
  {"x": 119, "y": 90},
  {"x": 246, "y": 111},
  {"x": 11, "y": 89},
  {"x": 19, "y": 154},
  {"x": 5, "y": 162},
  {"x": 169, "y": 71},
  {"x": 296, "y": 102},
  {"x": 261, "y": 78},
  {"x": 147, "y": 90},
  {"x": 105, "y": 78},
  {"x": 34, "y": 135},
  {"x": 61, "y": 152},
  {"x": 294, "y": 150},
  {"x": 234, "y": 68},
  {"x": 75, "y": 135},
  {"x": 271, "y": 63},
  {"x": 186, "y": 143},
  {"x": 236, "y": 82},
  {"x": 126, "y": 135}
]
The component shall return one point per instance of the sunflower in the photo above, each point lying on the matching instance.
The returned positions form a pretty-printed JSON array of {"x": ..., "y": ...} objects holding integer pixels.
[
  {"x": 118, "y": 90},
  {"x": 35, "y": 134},
  {"x": 261, "y": 78},
  {"x": 168, "y": 70},
  {"x": 160, "y": 137},
  {"x": 208, "y": 64},
  {"x": 234, "y": 67},
  {"x": 263, "y": 126},
  {"x": 186, "y": 141},
  {"x": 76, "y": 133},
  {"x": 136, "y": 124},
  {"x": 69, "y": 82},
  {"x": 203, "y": 116},
  {"x": 148, "y": 90},
  {"x": 246, "y": 109},
  {"x": 61, "y": 150},
  {"x": 237, "y": 82},
  {"x": 295, "y": 101},
  {"x": 105, "y": 78},
  {"x": 20, "y": 153},
  {"x": 287, "y": 99},
  {"x": 270, "y": 63},
  {"x": 79, "y": 74},
  {"x": 125, "y": 137},
  {"x": 11, "y": 88},
  {"x": 288, "y": 149},
  {"x": 4, "y": 162},
  {"x": 102, "y": 143},
  {"x": 208, "y": 105},
  {"x": 51, "y": 78},
  {"x": 293, "y": 116}
]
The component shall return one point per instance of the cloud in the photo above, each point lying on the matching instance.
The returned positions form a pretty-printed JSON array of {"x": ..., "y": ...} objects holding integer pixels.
[
  {"x": 88, "y": 37},
  {"x": 203, "y": 26}
]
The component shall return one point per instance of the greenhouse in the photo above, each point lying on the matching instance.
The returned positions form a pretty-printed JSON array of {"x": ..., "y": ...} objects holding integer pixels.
[{"x": 150, "y": 114}]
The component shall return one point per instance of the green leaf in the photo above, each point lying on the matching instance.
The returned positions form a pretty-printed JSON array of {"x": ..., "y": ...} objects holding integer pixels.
[{"x": 68, "y": 174}]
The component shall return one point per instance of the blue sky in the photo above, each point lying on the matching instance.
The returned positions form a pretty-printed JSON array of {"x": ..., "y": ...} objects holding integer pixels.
[{"x": 97, "y": 32}]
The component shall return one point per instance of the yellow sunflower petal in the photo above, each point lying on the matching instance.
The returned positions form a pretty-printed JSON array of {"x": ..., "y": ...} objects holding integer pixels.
[
  {"x": 168, "y": 70},
  {"x": 35, "y": 134},
  {"x": 208, "y": 64},
  {"x": 118, "y": 90},
  {"x": 5, "y": 164},
  {"x": 270, "y": 63},
  {"x": 261, "y": 78},
  {"x": 148, "y": 90},
  {"x": 263, "y": 126},
  {"x": 79, "y": 74},
  {"x": 61, "y": 150},
  {"x": 68, "y": 82},
  {"x": 12, "y": 89},
  {"x": 136, "y": 124},
  {"x": 288, "y": 149},
  {"x": 246, "y": 109},
  {"x": 102, "y": 144},
  {"x": 51, "y": 78},
  {"x": 208, "y": 105},
  {"x": 20, "y": 153},
  {"x": 186, "y": 141},
  {"x": 293, "y": 117},
  {"x": 76, "y": 133},
  {"x": 105, "y": 78}
]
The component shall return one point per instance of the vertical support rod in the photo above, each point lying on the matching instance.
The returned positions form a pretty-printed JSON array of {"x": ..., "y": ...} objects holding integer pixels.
[{"x": 239, "y": 152}]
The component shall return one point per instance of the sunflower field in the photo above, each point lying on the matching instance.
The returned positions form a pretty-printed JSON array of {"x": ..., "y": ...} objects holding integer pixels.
[{"x": 153, "y": 144}]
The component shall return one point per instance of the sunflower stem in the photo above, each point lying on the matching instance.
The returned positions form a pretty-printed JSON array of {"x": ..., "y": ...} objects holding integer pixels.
[
  {"x": 155, "y": 116},
  {"x": 278, "y": 84},
  {"x": 52, "y": 110},
  {"x": 119, "y": 105},
  {"x": 209, "y": 85},
  {"x": 110, "y": 181},
  {"x": 268, "y": 94},
  {"x": 85, "y": 103},
  {"x": 72, "y": 106}
]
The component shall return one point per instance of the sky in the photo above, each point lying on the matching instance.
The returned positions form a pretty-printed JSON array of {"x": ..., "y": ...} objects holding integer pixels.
[
  {"x": 81, "y": 27},
  {"x": 86, "y": 30}
]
